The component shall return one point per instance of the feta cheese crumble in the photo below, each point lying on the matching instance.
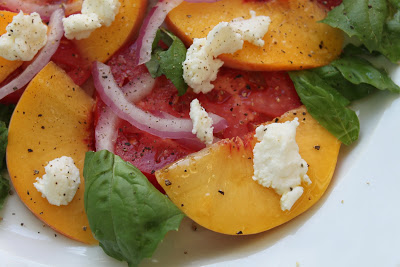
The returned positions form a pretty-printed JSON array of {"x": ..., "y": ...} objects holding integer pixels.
[
  {"x": 60, "y": 182},
  {"x": 201, "y": 65},
  {"x": 277, "y": 162},
  {"x": 25, "y": 36},
  {"x": 94, "y": 14},
  {"x": 202, "y": 123}
]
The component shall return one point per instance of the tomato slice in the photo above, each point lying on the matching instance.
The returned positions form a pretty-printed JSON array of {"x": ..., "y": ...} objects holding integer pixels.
[
  {"x": 245, "y": 99},
  {"x": 69, "y": 59}
]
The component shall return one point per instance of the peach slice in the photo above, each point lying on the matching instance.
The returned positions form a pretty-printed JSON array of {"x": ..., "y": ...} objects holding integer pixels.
[
  {"x": 105, "y": 41},
  {"x": 295, "y": 39},
  {"x": 7, "y": 66},
  {"x": 214, "y": 186},
  {"x": 52, "y": 119}
]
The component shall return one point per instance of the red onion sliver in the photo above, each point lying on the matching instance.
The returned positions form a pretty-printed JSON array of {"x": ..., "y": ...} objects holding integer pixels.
[
  {"x": 106, "y": 129},
  {"x": 150, "y": 26},
  {"x": 113, "y": 97},
  {"x": 43, "y": 57},
  {"x": 152, "y": 22},
  {"x": 44, "y": 10}
]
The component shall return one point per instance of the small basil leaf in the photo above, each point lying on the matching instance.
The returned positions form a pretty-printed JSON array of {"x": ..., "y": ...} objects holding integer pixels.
[
  {"x": 126, "y": 213},
  {"x": 6, "y": 112},
  {"x": 3, "y": 144},
  {"x": 335, "y": 79},
  {"x": 373, "y": 22},
  {"x": 326, "y": 105},
  {"x": 4, "y": 183},
  {"x": 153, "y": 65},
  {"x": 360, "y": 71},
  {"x": 4, "y": 190},
  {"x": 168, "y": 62}
]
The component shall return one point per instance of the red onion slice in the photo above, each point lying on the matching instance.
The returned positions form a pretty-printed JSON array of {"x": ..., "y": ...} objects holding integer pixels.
[
  {"x": 44, "y": 10},
  {"x": 43, "y": 57},
  {"x": 106, "y": 132},
  {"x": 149, "y": 28},
  {"x": 113, "y": 97},
  {"x": 152, "y": 22}
]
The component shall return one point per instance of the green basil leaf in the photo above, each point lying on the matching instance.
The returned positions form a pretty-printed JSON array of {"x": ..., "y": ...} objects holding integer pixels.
[
  {"x": 4, "y": 183},
  {"x": 6, "y": 112},
  {"x": 126, "y": 213},
  {"x": 360, "y": 71},
  {"x": 168, "y": 62},
  {"x": 374, "y": 22},
  {"x": 3, "y": 144},
  {"x": 4, "y": 190},
  {"x": 326, "y": 105},
  {"x": 334, "y": 78}
]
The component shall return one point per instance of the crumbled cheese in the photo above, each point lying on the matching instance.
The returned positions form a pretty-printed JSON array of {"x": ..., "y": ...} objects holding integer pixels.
[
  {"x": 60, "y": 182},
  {"x": 94, "y": 14},
  {"x": 202, "y": 123},
  {"x": 277, "y": 162},
  {"x": 25, "y": 36},
  {"x": 251, "y": 29},
  {"x": 106, "y": 10},
  {"x": 80, "y": 26},
  {"x": 201, "y": 65}
]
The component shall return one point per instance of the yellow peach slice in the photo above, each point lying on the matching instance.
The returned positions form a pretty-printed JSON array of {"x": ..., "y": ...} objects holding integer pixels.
[
  {"x": 52, "y": 119},
  {"x": 295, "y": 40},
  {"x": 105, "y": 41},
  {"x": 214, "y": 186},
  {"x": 7, "y": 66}
]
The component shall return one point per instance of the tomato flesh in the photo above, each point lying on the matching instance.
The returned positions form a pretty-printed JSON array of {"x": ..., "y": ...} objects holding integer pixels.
[
  {"x": 245, "y": 99},
  {"x": 69, "y": 59}
]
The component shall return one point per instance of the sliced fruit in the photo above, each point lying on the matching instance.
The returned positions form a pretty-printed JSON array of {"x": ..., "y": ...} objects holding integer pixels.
[
  {"x": 51, "y": 120},
  {"x": 105, "y": 41},
  {"x": 7, "y": 66},
  {"x": 214, "y": 186},
  {"x": 295, "y": 39}
]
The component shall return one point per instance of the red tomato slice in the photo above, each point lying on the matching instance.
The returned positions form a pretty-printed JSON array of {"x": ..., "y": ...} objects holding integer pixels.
[
  {"x": 69, "y": 59},
  {"x": 245, "y": 99}
]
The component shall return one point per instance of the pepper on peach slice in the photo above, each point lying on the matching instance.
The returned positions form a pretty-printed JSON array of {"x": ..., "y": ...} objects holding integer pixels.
[
  {"x": 7, "y": 66},
  {"x": 295, "y": 39},
  {"x": 105, "y": 41},
  {"x": 214, "y": 187},
  {"x": 52, "y": 119}
]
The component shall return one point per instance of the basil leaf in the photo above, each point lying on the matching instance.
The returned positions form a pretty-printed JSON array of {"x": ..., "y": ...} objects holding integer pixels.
[
  {"x": 326, "y": 105},
  {"x": 334, "y": 78},
  {"x": 6, "y": 112},
  {"x": 4, "y": 183},
  {"x": 4, "y": 190},
  {"x": 374, "y": 22},
  {"x": 126, "y": 213},
  {"x": 168, "y": 62},
  {"x": 3, "y": 144},
  {"x": 358, "y": 71}
]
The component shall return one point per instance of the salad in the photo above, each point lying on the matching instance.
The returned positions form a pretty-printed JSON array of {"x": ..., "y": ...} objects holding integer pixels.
[{"x": 134, "y": 111}]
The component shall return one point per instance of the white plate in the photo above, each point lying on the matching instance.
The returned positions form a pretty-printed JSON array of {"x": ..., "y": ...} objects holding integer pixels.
[{"x": 356, "y": 223}]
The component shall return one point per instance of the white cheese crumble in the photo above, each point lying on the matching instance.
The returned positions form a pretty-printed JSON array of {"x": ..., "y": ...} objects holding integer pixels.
[
  {"x": 80, "y": 26},
  {"x": 277, "y": 162},
  {"x": 25, "y": 36},
  {"x": 201, "y": 65},
  {"x": 94, "y": 14},
  {"x": 202, "y": 123},
  {"x": 60, "y": 182}
]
